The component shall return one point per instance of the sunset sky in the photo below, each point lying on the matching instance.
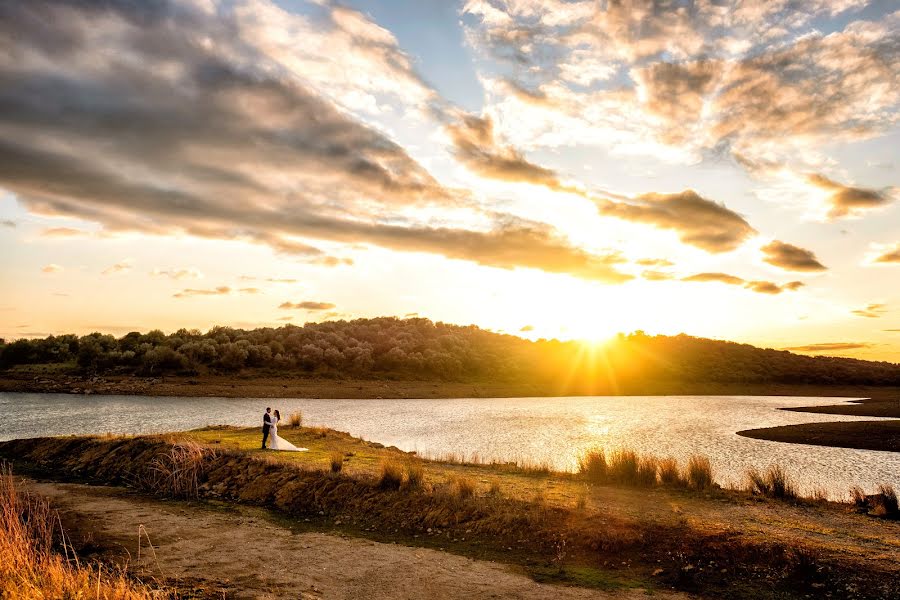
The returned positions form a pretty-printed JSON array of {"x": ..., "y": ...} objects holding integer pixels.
[{"x": 544, "y": 168}]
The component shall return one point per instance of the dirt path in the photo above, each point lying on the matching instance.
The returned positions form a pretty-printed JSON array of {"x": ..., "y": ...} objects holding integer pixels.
[{"x": 247, "y": 555}]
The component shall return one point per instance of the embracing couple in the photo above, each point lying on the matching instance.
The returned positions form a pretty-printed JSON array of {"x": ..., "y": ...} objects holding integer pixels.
[{"x": 270, "y": 433}]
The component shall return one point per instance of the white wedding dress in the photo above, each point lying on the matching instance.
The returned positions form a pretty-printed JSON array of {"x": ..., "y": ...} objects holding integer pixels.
[{"x": 279, "y": 443}]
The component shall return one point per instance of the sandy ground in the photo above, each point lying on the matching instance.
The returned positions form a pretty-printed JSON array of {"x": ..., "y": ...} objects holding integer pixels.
[{"x": 247, "y": 555}]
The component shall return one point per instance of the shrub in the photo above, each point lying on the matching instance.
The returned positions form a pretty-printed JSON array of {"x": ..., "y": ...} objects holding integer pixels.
[
  {"x": 592, "y": 465},
  {"x": 391, "y": 475},
  {"x": 669, "y": 473},
  {"x": 337, "y": 462},
  {"x": 858, "y": 498},
  {"x": 623, "y": 466},
  {"x": 415, "y": 475},
  {"x": 699, "y": 472},
  {"x": 646, "y": 472},
  {"x": 296, "y": 420}
]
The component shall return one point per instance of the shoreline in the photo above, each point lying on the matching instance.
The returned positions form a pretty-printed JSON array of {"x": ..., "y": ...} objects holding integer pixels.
[
  {"x": 499, "y": 513},
  {"x": 869, "y": 401}
]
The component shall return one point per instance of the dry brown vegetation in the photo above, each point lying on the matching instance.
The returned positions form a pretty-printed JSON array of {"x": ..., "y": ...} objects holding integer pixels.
[
  {"x": 295, "y": 420},
  {"x": 386, "y": 499},
  {"x": 36, "y": 560}
]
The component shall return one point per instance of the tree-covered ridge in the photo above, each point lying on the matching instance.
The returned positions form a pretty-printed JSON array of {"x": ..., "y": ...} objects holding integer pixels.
[{"x": 421, "y": 349}]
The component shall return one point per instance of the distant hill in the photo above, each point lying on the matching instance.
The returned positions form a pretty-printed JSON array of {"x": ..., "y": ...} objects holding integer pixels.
[{"x": 420, "y": 349}]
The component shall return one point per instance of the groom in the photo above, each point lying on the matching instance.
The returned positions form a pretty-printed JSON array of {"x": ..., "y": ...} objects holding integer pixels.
[{"x": 267, "y": 423}]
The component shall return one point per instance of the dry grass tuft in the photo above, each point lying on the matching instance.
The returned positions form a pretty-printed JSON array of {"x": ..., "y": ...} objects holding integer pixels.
[
  {"x": 623, "y": 466},
  {"x": 646, "y": 473},
  {"x": 463, "y": 488},
  {"x": 669, "y": 473},
  {"x": 391, "y": 475},
  {"x": 884, "y": 503},
  {"x": 178, "y": 472},
  {"x": 699, "y": 472},
  {"x": 29, "y": 566},
  {"x": 296, "y": 420},
  {"x": 774, "y": 483},
  {"x": 592, "y": 465},
  {"x": 337, "y": 461},
  {"x": 415, "y": 475}
]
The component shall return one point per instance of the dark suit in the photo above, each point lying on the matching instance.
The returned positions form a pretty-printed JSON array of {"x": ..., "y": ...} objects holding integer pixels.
[{"x": 267, "y": 422}]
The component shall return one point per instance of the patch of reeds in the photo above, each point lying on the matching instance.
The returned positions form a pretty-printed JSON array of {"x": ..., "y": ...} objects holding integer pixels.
[
  {"x": 337, "y": 461},
  {"x": 391, "y": 475},
  {"x": 646, "y": 471},
  {"x": 31, "y": 567},
  {"x": 295, "y": 420}
]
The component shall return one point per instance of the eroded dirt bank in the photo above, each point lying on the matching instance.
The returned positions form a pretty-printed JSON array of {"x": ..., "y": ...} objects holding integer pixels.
[{"x": 240, "y": 552}]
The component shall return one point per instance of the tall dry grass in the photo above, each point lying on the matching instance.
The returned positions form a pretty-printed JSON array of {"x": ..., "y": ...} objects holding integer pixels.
[
  {"x": 699, "y": 472},
  {"x": 774, "y": 483},
  {"x": 31, "y": 566},
  {"x": 177, "y": 472},
  {"x": 295, "y": 420}
]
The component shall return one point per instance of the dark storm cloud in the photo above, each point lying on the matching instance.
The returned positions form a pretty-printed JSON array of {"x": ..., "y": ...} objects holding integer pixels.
[
  {"x": 162, "y": 118},
  {"x": 791, "y": 258},
  {"x": 697, "y": 221}
]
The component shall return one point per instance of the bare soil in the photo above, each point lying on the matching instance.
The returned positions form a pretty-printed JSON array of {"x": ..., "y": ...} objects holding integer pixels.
[{"x": 243, "y": 552}]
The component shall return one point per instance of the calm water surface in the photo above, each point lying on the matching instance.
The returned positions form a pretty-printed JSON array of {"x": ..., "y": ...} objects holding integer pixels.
[{"x": 552, "y": 430}]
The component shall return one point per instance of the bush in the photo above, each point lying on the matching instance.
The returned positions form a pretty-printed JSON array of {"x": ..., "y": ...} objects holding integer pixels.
[
  {"x": 699, "y": 472},
  {"x": 296, "y": 420},
  {"x": 391, "y": 475},
  {"x": 337, "y": 462},
  {"x": 592, "y": 465}
]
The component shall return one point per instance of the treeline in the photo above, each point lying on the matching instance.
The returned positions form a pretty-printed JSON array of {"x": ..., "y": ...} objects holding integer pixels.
[{"x": 420, "y": 349}]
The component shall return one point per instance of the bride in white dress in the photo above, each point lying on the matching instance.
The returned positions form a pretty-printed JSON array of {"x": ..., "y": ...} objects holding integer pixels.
[{"x": 279, "y": 443}]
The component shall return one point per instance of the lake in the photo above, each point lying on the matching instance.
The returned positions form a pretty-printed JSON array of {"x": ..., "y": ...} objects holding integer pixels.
[{"x": 536, "y": 430}]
